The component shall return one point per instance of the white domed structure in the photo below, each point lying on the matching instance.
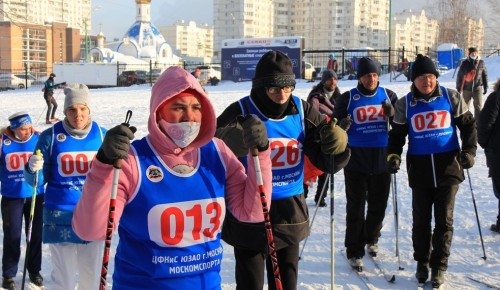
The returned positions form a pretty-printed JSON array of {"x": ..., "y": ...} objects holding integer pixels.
[{"x": 144, "y": 41}]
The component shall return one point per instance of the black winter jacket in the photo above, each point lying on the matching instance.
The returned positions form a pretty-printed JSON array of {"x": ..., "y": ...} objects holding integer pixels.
[
  {"x": 289, "y": 216},
  {"x": 440, "y": 169},
  {"x": 364, "y": 159},
  {"x": 480, "y": 75},
  {"x": 488, "y": 130}
]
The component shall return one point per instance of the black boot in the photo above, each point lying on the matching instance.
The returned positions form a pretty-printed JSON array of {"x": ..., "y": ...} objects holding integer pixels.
[
  {"x": 36, "y": 279},
  {"x": 422, "y": 273},
  {"x": 320, "y": 203},
  {"x": 8, "y": 283},
  {"x": 495, "y": 228},
  {"x": 437, "y": 277}
]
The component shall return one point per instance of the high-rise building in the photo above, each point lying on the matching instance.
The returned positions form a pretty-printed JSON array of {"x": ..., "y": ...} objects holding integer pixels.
[
  {"x": 242, "y": 18},
  {"x": 76, "y": 13},
  {"x": 36, "y": 33},
  {"x": 325, "y": 24},
  {"x": 414, "y": 31},
  {"x": 188, "y": 39}
]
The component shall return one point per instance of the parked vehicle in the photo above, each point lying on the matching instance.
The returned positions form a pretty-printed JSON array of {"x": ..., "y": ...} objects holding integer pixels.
[
  {"x": 308, "y": 72},
  {"x": 155, "y": 74},
  {"x": 132, "y": 77},
  {"x": 15, "y": 80},
  {"x": 208, "y": 72}
]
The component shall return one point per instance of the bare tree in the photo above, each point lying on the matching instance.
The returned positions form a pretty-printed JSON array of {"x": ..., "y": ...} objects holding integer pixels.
[
  {"x": 452, "y": 14},
  {"x": 10, "y": 14}
]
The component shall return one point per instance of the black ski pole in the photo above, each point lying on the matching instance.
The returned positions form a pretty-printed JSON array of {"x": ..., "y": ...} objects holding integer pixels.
[
  {"x": 332, "y": 225},
  {"x": 396, "y": 217},
  {"x": 314, "y": 215},
  {"x": 477, "y": 216}
]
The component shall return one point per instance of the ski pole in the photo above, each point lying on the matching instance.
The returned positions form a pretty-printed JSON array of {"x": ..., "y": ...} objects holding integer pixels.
[
  {"x": 267, "y": 221},
  {"x": 314, "y": 215},
  {"x": 30, "y": 223},
  {"x": 332, "y": 225},
  {"x": 117, "y": 165},
  {"x": 396, "y": 216},
  {"x": 477, "y": 217}
]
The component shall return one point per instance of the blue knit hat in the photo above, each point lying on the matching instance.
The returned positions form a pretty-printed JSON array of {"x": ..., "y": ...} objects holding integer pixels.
[{"x": 19, "y": 119}]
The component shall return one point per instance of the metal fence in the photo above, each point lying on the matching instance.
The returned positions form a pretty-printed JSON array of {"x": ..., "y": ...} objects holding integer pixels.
[{"x": 394, "y": 61}]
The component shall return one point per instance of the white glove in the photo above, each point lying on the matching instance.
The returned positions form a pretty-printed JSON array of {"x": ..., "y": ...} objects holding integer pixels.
[{"x": 35, "y": 163}]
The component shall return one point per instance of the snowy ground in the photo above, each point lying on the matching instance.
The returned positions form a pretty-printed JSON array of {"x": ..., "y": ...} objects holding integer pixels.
[{"x": 110, "y": 105}]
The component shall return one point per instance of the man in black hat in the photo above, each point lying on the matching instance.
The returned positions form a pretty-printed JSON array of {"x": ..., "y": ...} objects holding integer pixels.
[
  {"x": 322, "y": 98},
  {"x": 366, "y": 111},
  {"x": 430, "y": 115},
  {"x": 472, "y": 80},
  {"x": 294, "y": 129}
]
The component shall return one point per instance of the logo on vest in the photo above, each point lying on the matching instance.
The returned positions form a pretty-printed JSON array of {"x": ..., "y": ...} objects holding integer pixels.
[
  {"x": 154, "y": 173},
  {"x": 356, "y": 97},
  {"x": 61, "y": 137},
  {"x": 7, "y": 142}
]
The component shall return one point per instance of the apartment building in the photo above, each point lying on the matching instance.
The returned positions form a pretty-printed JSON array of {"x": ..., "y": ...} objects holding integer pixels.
[
  {"x": 242, "y": 18},
  {"x": 36, "y": 33},
  {"x": 190, "y": 39},
  {"x": 326, "y": 24},
  {"x": 76, "y": 13},
  {"x": 414, "y": 31}
]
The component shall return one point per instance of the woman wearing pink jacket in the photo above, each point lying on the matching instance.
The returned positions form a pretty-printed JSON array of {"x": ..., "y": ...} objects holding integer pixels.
[{"x": 174, "y": 187}]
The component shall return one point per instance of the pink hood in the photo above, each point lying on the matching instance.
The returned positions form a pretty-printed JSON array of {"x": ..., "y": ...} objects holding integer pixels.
[{"x": 172, "y": 82}]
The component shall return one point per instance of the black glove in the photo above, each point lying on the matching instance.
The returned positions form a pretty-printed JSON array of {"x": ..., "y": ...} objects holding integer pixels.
[
  {"x": 393, "y": 162},
  {"x": 485, "y": 90},
  {"x": 254, "y": 132},
  {"x": 466, "y": 159},
  {"x": 346, "y": 123},
  {"x": 232, "y": 135},
  {"x": 388, "y": 108},
  {"x": 116, "y": 144},
  {"x": 333, "y": 138}
]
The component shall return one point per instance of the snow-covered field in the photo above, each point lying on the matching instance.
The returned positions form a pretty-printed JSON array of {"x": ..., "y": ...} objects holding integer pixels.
[{"x": 110, "y": 105}]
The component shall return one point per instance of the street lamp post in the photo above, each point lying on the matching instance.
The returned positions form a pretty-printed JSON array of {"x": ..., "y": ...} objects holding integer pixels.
[{"x": 86, "y": 43}]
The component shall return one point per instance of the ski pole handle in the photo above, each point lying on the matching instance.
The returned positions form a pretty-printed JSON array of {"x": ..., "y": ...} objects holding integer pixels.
[{"x": 118, "y": 162}]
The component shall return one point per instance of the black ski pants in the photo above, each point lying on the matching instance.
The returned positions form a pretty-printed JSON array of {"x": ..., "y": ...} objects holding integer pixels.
[
  {"x": 496, "y": 192},
  {"x": 250, "y": 268},
  {"x": 13, "y": 211},
  {"x": 369, "y": 191},
  {"x": 442, "y": 199}
]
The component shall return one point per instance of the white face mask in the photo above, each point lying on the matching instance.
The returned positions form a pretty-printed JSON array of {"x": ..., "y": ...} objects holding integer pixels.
[
  {"x": 182, "y": 133},
  {"x": 473, "y": 57}
]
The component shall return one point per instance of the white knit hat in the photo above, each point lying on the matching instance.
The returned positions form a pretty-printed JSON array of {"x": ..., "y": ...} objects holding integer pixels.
[{"x": 76, "y": 94}]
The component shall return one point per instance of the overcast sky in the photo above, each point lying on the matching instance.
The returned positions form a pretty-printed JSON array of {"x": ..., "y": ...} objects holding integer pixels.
[{"x": 116, "y": 16}]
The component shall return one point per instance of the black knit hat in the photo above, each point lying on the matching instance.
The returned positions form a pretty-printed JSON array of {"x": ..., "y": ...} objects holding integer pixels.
[
  {"x": 472, "y": 49},
  {"x": 274, "y": 69},
  {"x": 366, "y": 66},
  {"x": 328, "y": 74},
  {"x": 423, "y": 65}
]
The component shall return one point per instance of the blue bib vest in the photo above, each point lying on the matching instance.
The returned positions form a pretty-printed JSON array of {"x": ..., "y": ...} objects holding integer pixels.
[
  {"x": 369, "y": 126},
  {"x": 15, "y": 155},
  {"x": 431, "y": 125},
  {"x": 286, "y": 139},
  {"x": 170, "y": 230},
  {"x": 71, "y": 160}
]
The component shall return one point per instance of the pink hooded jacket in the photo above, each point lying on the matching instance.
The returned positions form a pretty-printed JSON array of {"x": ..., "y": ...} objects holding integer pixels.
[{"x": 242, "y": 192}]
